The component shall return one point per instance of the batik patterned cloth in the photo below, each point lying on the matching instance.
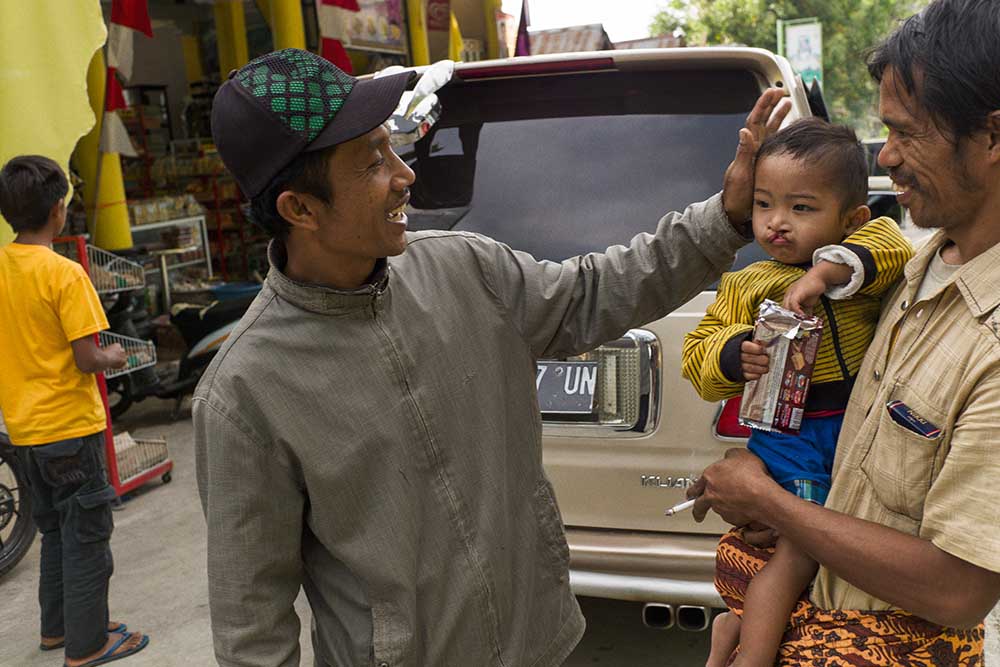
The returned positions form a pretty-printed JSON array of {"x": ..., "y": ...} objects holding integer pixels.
[{"x": 846, "y": 638}]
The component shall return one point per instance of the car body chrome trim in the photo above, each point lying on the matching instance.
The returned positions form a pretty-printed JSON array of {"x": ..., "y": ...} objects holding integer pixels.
[{"x": 633, "y": 588}]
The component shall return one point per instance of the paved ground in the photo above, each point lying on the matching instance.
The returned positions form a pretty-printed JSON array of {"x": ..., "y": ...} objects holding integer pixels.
[{"x": 159, "y": 585}]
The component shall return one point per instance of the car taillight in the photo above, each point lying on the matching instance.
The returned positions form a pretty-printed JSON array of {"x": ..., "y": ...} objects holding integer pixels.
[
  {"x": 626, "y": 394},
  {"x": 727, "y": 423}
]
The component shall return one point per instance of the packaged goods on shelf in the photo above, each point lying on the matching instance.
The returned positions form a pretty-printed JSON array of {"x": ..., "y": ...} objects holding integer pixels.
[
  {"x": 171, "y": 168},
  {"x": 161, "y": 209}
]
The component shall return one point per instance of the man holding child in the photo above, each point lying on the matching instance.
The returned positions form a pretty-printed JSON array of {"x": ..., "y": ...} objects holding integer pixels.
[{"x": 908, "y": 541}]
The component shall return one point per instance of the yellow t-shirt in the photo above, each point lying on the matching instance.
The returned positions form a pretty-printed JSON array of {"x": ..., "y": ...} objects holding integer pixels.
[{"x": 46, "y": 301}]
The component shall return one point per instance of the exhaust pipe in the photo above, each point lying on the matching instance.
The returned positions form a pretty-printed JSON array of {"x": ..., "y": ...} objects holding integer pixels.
[
  {"x": 692, "y": 618},
  {"x": 657, "y": 616}
]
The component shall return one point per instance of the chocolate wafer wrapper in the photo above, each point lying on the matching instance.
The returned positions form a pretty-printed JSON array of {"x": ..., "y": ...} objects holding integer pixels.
[{"x": 777, "y": 401}]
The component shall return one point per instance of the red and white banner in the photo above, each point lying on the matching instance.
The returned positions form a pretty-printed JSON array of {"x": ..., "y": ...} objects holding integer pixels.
[
  {"x": 334, "y": 17},
  {"x": 127, "y": 18}
]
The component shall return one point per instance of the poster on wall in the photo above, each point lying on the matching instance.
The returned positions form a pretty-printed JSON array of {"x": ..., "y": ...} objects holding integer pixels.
[{"x": 369, "y": 25}]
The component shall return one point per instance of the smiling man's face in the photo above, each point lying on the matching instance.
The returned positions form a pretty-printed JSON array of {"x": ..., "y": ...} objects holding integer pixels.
[
  {"x": 370, "y": 185},
  {"x": 939, "y": 181}
]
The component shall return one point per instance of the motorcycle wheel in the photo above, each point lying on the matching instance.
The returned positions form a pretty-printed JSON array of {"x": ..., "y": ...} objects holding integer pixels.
[
  {"x": 119, "y": 395},
  {"x": 17, "y": 528}
]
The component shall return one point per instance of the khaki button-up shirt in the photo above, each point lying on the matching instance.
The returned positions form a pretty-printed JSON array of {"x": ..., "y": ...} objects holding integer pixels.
[{"x": 941, "y": 357}]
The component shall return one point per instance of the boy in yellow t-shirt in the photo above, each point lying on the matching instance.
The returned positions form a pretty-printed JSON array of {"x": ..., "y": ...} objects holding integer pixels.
[{"x": 50, "y": 401}]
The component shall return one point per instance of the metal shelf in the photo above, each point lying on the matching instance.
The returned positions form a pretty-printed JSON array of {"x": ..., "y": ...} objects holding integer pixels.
[
  {"x": 169, "y": 223},
  {"x": 178, "y": 265},
  {"x": 198, "y": 220}
]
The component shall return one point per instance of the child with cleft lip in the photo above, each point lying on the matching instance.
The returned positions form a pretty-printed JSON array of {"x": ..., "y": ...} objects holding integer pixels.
[{"x": 809, "y": 215}]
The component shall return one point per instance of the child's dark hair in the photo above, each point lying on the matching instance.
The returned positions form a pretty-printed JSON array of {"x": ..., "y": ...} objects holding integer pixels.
[
  {"x": 30, "y": 185},
  {"x": 834, "y": 148}
]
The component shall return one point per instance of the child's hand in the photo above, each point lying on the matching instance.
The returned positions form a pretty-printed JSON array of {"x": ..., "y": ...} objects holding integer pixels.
[
  {"x": 803, "y": 295},
  {"x": 754, "y": 358},
  {"x": 116, "y": 356}
]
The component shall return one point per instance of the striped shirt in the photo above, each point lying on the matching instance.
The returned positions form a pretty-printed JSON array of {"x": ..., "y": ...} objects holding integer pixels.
[{"x": 711, "y": 353}]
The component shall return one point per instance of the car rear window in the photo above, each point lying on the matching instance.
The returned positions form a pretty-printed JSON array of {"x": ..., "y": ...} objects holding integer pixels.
[{"x": 563, "y": 165}]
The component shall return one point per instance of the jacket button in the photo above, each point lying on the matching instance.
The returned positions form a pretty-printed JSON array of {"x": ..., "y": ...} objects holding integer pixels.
[
  {"x": 877, "y": 376},
  {"x": 904, "y": 305}
]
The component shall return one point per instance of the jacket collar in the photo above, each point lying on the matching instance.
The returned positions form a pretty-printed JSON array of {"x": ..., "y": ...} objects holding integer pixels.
[
  {"x": 318, "y": 298},
  {"x": 978, "y": 281}
]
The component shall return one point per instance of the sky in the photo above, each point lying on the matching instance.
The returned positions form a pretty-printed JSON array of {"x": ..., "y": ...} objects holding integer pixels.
[{"x": 622, "y": 19}]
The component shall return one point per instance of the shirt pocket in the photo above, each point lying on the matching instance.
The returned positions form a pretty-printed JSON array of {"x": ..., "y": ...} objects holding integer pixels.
[{"x": 900, "y": 462}]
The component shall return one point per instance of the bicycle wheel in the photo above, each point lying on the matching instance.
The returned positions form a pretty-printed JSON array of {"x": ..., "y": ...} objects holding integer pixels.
[{"x": 17, "y": 528}]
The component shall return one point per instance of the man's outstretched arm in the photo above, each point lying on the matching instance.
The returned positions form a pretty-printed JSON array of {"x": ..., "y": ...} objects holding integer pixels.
[
  {"x": 574, "y": 306},
  {"x": 909, "y": 572}
]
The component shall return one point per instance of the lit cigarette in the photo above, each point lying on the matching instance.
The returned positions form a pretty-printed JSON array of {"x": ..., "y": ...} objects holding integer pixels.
[{"x": 686, "y": 505}]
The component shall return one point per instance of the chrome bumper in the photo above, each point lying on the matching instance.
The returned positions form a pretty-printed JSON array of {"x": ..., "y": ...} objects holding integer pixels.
[{"x": 643, "y": 567}]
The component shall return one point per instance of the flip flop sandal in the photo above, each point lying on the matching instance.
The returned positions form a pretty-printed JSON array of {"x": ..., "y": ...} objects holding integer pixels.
[
  {"x": 52, "y": 647},
  {"x": 111, "y": 656}
]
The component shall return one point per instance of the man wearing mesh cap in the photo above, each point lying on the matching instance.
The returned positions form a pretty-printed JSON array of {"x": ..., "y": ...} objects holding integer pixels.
[{"x": 370, "y": 431}]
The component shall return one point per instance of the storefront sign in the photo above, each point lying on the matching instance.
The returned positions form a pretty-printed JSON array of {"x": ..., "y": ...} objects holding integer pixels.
[
  {"x": 438, "y": 14},
  {"x": 368, "y": 25},
  {"x": 801, "y": 41}
]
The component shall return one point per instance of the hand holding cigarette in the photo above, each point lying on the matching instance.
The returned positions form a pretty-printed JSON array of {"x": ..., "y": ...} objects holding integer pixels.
[{"x": 686, "y": 505}]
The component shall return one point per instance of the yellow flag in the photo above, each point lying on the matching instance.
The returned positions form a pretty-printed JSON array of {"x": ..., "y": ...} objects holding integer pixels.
[{"x": 45, "y": 48}]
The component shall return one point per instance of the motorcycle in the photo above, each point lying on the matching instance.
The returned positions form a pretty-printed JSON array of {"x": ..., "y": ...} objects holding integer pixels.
[
  {"x": 17, "y": 528},
  {"x": 204, "y": 330}
]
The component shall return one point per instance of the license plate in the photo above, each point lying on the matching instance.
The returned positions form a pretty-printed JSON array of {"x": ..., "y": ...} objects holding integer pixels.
[{"x": 566, "y": 387}]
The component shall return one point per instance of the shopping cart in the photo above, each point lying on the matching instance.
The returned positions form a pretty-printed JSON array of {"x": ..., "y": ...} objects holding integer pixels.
[
  {"x": 141, "y": 353},
  {"x": 109, "y": 272},
  {"x": 133, "y": 462},
  {"x": 136, "y": 456}
]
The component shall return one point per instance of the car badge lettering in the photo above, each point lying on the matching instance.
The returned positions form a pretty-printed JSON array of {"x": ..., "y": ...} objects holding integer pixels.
[{"x": 668, "y": 482}]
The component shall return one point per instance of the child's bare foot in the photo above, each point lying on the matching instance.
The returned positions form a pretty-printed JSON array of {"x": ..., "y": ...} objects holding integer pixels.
[
  {"x": 725, "y": 639},
  {"x": 52, "y": 643}
]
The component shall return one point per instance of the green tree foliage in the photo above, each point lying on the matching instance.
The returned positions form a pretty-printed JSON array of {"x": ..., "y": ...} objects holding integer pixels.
[{"x": 850, "y": 27}]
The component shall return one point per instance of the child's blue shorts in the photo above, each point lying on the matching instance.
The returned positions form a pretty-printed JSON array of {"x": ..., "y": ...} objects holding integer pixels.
[{"x": 801, "y": 463}]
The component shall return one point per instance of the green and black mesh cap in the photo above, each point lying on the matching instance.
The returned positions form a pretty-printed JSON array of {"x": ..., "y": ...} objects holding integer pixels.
[{"x": 289, "y": 102}]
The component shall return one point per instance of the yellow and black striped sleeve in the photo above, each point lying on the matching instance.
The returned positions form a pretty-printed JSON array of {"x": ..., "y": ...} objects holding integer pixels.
[
  {"x": 883, "y": 251},
  {"x": 710, "y": 354}
]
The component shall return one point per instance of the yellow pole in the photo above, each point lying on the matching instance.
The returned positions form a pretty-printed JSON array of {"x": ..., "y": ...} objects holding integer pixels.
[
  {"x": 416, "y": 16},
  {"x": 86, "y": 154},
  {"x": 454, "y": 39},
  {"x": 192, "y": 58},
  {"x": 230, "y": 35},
  {"x": 490, "y": 8},
  {"x": 286, "y": 24},
  {"x": 109, "y": 228}
]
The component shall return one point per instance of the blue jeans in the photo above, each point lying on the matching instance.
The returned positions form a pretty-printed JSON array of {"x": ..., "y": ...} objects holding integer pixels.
[
  {"x": 71, "y": 503},
  {"x": 801, "y": 463}
]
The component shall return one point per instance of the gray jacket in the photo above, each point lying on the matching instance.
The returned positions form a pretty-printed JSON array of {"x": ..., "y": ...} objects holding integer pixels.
[{"x": 382, "y": 448}]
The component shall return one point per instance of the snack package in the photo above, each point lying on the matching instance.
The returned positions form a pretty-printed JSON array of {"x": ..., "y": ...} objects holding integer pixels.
[{"x": 776, "y": 402}]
